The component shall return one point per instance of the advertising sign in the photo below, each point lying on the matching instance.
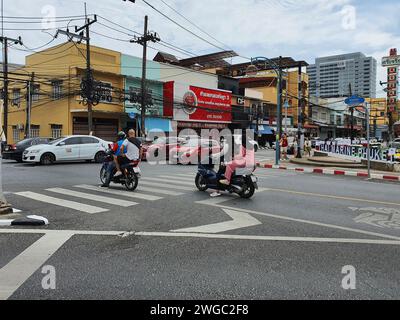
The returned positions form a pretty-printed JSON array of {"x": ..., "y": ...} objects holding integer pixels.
[
  {"x": 392, "y": 88},
  {"x": 391, "y": 61},
  {"x": 200, "y": 104}
]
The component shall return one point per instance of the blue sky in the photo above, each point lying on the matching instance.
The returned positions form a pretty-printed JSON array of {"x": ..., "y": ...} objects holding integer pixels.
[{"x": 302, "y": 29}]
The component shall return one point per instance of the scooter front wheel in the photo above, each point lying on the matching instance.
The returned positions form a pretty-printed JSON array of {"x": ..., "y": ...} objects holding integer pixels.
[{"x": 201, "y": 183}]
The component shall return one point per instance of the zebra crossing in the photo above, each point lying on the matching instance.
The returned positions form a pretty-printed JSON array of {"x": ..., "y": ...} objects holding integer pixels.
[
  {"x": 92, "y": 199},
  {"x": 150, "y": 189}
]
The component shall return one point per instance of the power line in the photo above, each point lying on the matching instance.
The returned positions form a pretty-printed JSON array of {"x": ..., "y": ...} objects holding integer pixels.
[{"x": 181, "y": 26}]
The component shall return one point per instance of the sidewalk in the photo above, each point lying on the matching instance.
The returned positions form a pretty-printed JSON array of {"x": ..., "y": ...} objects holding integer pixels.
[{"x": 342, "y": 171}]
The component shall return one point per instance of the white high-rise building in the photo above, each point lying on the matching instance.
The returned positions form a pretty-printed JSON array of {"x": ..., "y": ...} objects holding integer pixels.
[{"x": 332, "y": 76}]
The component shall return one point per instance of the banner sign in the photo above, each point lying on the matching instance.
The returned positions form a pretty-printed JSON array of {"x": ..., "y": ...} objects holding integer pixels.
[{"x": 376, "y": 154}]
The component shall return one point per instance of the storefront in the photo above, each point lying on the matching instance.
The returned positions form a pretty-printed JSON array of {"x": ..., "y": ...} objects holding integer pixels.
[{"x": 197, "y": 108}]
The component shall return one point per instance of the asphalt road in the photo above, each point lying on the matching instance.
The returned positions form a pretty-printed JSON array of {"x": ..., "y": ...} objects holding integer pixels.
[{"x": 169, "y": 241}]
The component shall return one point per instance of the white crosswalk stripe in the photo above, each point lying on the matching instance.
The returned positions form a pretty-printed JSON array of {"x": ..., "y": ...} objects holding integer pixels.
[
  {"x": 93, "y": 197},
  {"x": 186, "y": 183},
  {"x": 61, "y": 202},
  {"x": 187, "y": 179},
  {"x": 121, "y": 192},
  {"x": 166, "y": 186},
  {"x": 160, "y": 191}
]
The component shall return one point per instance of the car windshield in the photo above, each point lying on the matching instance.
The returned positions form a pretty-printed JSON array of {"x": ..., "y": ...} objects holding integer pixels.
[{"x": 24, "y": 142}]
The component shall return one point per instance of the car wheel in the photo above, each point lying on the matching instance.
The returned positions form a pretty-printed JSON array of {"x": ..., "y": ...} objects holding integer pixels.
[
  {"x": 99, "y": 157},
  {"x": 47, "y": 159}
]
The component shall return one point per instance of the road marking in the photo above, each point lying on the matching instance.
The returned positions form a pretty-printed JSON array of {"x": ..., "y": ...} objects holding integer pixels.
[
  {"x": 188, "y": 175},
  {"x": 320, "y": 224},
  {"x": 169, "y": 181},
  {"x": 240, "y": 220},
  {"x": 61, "y": 202},
  {"x": 120, "y": 192},
  {"x": 213, "y": 201},
  {"x": 332, "y": 197},
  {"x": 21, "y": 268},
  {"x": 266, "y": 238},
  {"x": 108, "y": 200},
  {"x": 5, "y": 223},
  {"x": 173, "y": 178},
  {"x": 164, "y": 185},
  {"x": 161, "y": 191}
]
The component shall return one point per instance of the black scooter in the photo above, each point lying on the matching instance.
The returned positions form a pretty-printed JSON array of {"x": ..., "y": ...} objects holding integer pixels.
[{"x": 243, "y": 182}]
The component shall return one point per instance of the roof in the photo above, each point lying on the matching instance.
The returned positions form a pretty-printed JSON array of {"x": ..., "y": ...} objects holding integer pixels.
[
  {"x": 166, "y": 57},
  {"x": 207, "y": 61}
]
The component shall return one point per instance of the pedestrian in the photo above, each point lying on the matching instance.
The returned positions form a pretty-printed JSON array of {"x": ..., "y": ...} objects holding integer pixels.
[
  {"x": 308, "y": 147},
  {"x": 284, "y": 144}
]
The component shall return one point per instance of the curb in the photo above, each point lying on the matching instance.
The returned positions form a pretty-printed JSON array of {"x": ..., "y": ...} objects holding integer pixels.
[
  {"x": 332, "y": 172},
  {"x": 35, "y": 221}
]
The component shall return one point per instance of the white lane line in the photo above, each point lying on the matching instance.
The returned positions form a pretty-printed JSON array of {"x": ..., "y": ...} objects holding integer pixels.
[
  {"x": 186, "y": 183},
  {"x": 173, "y": 178},
  {"x": 93, "y": 197},
  {"x": 5, "y": 223},
  {"x": 320, "y": 224},
  {"x": 160, "y": 191},
  {"x": 215, "y": 201},
  {"x": 61, "y": 202},
  {"x": 16, "y": 211},
  {"x": 267, "y": 238},
  {"x": 164, "y": 185},
  {"x": 187, "y": 174},
  {"x": 21, "y": 268},
  {"x": 120, "y": 192}
]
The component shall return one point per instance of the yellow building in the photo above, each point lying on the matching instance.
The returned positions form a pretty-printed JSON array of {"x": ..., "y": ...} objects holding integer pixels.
[{"x": 57, "y": 106}]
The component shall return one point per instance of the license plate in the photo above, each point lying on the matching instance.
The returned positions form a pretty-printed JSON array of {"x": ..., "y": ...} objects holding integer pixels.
[
  {"x": 254, "y": 179},
  {"x": 136, "y": 170}
]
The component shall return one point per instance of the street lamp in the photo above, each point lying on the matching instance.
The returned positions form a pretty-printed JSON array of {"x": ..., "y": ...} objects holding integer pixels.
[{"x": 278, "y": 70}]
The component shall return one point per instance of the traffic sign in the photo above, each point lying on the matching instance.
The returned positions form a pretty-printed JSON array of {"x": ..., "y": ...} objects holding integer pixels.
[
  {"x": 132, "y": 115},
  {"x": 354, "y": 101}
]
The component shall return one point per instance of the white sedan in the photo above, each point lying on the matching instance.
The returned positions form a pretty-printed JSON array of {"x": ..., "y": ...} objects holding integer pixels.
[{"x": 71, "y": 148}]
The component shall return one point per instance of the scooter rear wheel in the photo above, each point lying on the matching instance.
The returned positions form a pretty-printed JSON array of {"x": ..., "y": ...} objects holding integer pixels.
[
  {"x": 132, "y": 182},
  {"x": 248, "y": 191},
  {"x": 201, "y": 183},
  {"x": 103, "y": 175}
]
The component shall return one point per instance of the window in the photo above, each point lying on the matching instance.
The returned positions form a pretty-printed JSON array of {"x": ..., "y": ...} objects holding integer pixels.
[
  {"x": 56, "y": 131},
  {"x": 35, "y": 131},
  {"x": 89, "y": 140},
  {"x": 56, "y": 89},
  {"x": 15, "y": 132},
  {"x": 16, "y": 98},
  {"x": 72, "y": 141},
  {"x": 36, "y": 92}
]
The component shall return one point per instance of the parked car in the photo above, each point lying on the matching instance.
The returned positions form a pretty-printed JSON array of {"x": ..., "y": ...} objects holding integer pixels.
[
  {"x": 163, "y": 146},
  {"x": 15, "y": 151},
  {"x": 71, "y": 148},
  {"x": 190, "y": 151}
]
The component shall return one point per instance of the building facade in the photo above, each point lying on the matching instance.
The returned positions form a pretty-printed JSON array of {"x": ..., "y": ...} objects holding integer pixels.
[{"x": 332, "y": 76}]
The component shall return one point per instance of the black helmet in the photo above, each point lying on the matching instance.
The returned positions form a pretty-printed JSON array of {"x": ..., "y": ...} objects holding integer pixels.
[{"x": 121, "y": 135}]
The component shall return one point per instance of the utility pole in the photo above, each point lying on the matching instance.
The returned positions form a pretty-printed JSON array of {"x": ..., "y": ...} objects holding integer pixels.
[
  {"x": 299, "y": 113},
  {"x": 147, "y": 36},
  {"x": 87, "y": 85},
  {"x": 279, "y": 112},
  {"x": 89, "y": 73},
  {"x": 351, "y": 117},
  {"x": 30, "y": 89},
  {"x": 5, "y": 41}
]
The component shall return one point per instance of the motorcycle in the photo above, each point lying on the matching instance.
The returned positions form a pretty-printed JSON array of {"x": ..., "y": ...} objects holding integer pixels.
[
  {"x": 131, "y": 180},
  {"x": 243, "y": 182}
]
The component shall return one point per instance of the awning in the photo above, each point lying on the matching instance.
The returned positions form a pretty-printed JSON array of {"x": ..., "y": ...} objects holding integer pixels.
[
  {"x": 157, "y": 124},
  {"x": 262, "y": 129}
]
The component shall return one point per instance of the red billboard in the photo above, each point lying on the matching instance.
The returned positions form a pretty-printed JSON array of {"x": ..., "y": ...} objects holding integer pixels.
[{"x": 197, "y": 104}]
